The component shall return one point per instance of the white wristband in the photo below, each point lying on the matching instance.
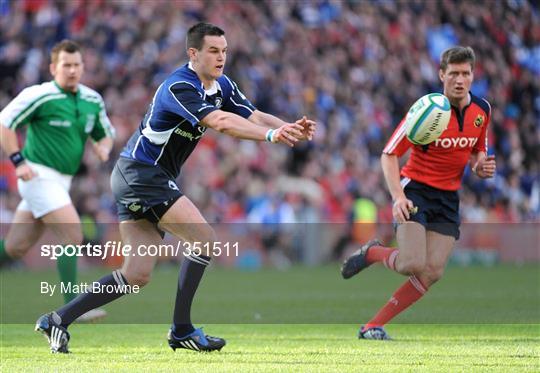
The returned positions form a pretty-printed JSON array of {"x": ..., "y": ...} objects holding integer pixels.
[{"x": 269, "y": 135}]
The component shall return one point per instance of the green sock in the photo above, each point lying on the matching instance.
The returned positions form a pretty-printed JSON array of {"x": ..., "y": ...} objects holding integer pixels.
[
  {"x": 4, "y": 257},
  {"x": 67, "y": 271}
]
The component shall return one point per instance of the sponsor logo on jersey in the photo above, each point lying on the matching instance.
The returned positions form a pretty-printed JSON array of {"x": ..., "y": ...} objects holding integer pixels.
[
  {"x": 173, "y": 185},
  {"x": 479, "y": 121},
  {"x": 190, "y": 136},
  {"x": 186, "y": 134},
  {"x": 456, "y": 142},
  {"x": 134, "y": 207},
  {"x": 60, "y": 123}
]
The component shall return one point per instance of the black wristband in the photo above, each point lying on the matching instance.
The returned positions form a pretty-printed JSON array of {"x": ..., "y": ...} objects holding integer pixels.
[{"x": 16, "y": 158}]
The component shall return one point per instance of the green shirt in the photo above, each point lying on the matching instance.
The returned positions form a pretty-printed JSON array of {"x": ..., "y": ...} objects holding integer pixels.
[{"x": 59, "y": 123}]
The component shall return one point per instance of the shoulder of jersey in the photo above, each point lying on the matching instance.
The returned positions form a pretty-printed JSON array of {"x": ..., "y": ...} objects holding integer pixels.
[
  {"x": 482, "y": 103},
  {"x": 224, "y": 79},
  {"x": 41, "y": 89},
  {"x": 89, "y": 93},
  {"x": 183, "y": 74}
]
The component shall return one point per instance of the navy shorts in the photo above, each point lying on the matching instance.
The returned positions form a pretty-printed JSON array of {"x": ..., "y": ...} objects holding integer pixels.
[
  {"x": 438, "y": 210},
  {"x": 142, "y": 191}
]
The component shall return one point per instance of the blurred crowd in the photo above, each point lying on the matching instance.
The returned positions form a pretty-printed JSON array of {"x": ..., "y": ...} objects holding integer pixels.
[{"x": 353, "y": 66}]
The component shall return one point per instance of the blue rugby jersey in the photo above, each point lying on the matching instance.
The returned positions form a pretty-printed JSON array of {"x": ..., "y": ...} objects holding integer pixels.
[{"x": 170, "y": 129}]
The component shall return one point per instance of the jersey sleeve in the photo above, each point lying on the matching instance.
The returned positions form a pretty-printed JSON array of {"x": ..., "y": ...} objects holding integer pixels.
[
  {"x": 103, "y": 127},
  {"x": 21, "y": 109},
  {"x": 188, "y": 102},
  {"x": 238, "y": 103},
  {"x": 482, "y": 143},
  {"x": 398, "y": 143}
]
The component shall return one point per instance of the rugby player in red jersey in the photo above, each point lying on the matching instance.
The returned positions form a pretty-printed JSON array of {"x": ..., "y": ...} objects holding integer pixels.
[{"x": 424, "y": 193}]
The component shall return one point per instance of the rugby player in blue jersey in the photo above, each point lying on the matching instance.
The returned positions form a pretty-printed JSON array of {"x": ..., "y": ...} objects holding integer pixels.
[{"x": 195, "y": 97}]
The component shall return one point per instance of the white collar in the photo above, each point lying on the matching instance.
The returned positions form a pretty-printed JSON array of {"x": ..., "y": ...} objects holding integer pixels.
[{"x": 210, "y": 91}]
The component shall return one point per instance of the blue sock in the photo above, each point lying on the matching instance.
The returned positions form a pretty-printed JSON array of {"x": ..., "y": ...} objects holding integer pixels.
[
  {"x": 191, "y": 272},
  {"x": 88, "y": 301}
]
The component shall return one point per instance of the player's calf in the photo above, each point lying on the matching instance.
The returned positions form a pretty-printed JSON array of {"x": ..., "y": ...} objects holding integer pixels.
[{"x": 430, "y": 275}]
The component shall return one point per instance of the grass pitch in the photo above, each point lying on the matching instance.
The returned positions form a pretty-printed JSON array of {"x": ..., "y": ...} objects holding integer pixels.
[{"x": 305, "y": 319}]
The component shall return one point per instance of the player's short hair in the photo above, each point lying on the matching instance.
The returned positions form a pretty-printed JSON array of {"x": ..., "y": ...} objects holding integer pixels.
[
  {"x": 457, "y": 54},
  {"x": 196, "y": 34},
  {"x": 65, "y": 45}
]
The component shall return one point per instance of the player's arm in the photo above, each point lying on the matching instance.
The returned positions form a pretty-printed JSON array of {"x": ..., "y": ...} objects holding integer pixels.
[
  {"x": 483, "y": 165},
  {"x": 10, "y": 145},
  {"x": 19, "y": 112},
  {"x": 189, "y": 104},
  {"x": 236, "y": 126},
  {"x": 395, "y": 148},
  {"x": 103, "y": 134},
  {"x": 270, "y": 121},
  {"x": 103, "y": 148},
  {"x": 402, "y": 205},
  {"x": 239, "y": 104}
]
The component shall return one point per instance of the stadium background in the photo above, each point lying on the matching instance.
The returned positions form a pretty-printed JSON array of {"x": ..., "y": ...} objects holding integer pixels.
[{"x": 354, "y": 66}]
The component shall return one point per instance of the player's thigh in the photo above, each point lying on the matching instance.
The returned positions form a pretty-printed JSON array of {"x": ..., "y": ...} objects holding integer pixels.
[
  {"x": 411, "y": 238},
  {"x": 65, "y": 223},
  {"x": 439, "y": 248},
  {"x": 139, "y": 234},
  {"x": 184, "y": 220},
  {"x": 23, "y": 233}
]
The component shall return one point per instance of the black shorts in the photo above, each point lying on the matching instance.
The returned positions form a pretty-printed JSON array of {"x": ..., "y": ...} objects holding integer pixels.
[
  {"x": 142, "y": 191},
  {"x": 438, "y": 210}
]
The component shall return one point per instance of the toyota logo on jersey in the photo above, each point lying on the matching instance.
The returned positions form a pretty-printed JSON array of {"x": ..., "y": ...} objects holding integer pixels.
[{"x": 456, "y": 142}]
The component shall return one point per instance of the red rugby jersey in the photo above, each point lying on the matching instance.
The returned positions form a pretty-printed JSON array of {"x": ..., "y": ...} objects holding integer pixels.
[{"x": 441, "y": 164}]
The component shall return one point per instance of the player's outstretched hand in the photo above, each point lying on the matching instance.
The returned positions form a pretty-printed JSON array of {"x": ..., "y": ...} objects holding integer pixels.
[
  {"x": 402, "y": 209},
  {"x": 486, "y": 167},
  {"x": 24, "y": 172},
  {"x": 308, "y": 128},
  {"x": 288, "y": 134}
]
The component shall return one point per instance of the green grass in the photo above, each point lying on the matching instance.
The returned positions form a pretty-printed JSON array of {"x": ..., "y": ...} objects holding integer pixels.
[
  {"x": 309, "y": 348},
  {"x": 501, "y": 294},
  {"x": 305, "y": 319}
]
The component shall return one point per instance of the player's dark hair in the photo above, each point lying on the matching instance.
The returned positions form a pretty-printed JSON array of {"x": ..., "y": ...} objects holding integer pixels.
[
  {"x": 65, "y": 45},
  {"x": 457, "y": 54},
  {"x": 196, "y": 34}
]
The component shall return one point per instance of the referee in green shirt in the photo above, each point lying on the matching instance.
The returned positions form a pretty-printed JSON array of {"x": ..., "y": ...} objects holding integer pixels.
[{"x": 60, "y": 116}]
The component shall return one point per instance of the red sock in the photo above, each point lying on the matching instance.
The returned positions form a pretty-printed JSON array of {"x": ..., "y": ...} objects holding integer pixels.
[
  {"x": 386, "y": 255},
  {"x": 404, "y": 297}
]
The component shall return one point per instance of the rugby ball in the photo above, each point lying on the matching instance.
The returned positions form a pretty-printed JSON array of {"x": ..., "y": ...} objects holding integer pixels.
[{"x": 427, "y": 118}]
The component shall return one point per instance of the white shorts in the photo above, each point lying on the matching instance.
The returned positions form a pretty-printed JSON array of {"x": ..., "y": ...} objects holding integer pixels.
[{"x": 46, "y": 192}]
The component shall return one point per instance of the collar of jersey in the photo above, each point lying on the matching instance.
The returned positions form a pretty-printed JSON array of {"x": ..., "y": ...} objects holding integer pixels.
[
  {"x": 212, "y": 90},
  {"x": 68, "y": 92},
  {"x": 468, "y": 103}
]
